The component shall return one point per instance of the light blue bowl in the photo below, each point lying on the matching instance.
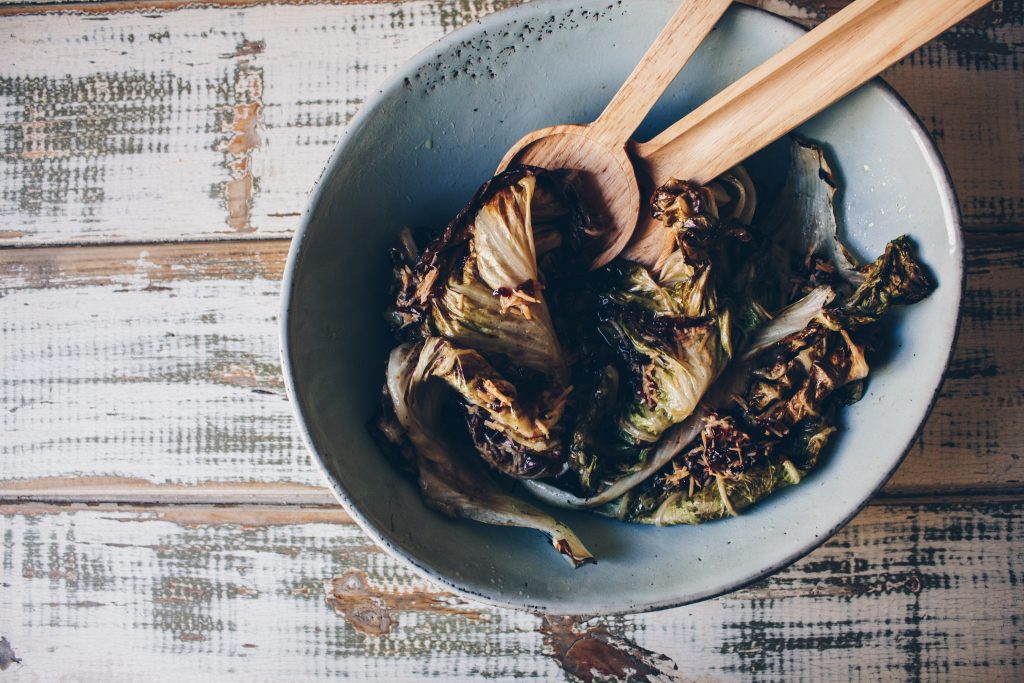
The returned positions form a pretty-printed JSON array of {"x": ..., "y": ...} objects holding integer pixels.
[{"x": 415, "y": 155}]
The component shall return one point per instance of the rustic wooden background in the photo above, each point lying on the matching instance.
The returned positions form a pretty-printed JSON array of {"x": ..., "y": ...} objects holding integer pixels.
[{"x": 159, "y": 516}]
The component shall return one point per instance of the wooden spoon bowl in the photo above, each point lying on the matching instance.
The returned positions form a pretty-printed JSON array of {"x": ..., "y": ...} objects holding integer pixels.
[
  {"x": 598, "y": 151},
  {"x": 606, "y": 179}
]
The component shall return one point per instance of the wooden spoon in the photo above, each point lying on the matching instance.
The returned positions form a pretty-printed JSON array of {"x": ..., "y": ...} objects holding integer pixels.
[
  {"x": 825, "y": 64},
  {"x": 598, "y": 150},
  {"x": 820, "y": 67}
]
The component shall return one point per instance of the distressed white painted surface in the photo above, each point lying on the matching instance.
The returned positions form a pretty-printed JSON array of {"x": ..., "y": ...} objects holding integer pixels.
[
  {"x": 162, "y": 380},
  {"x": 200, "y": 123},
  {"x": 180, "y": 594}
]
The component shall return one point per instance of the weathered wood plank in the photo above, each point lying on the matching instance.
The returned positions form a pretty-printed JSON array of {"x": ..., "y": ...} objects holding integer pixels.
[
  {"x": 300, "y": 594},
  {"x": 131, "y": 372},
  {"x": 134, "y": 127},
  {"x": 174, "y": 124},
  {"x": 156, "y": 361}
]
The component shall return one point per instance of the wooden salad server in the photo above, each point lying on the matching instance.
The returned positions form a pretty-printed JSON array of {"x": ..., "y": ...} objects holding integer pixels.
[
  {"x": 816, "y": 70},
  {"x": 598, "y": 150}
]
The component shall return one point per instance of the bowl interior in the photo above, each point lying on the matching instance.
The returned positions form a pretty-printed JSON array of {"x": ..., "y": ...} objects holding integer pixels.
[{"x": 414, "y": 157}]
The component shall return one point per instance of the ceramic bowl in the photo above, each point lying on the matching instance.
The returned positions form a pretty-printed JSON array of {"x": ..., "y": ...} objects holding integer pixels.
[{"x": 415, "y": 155}]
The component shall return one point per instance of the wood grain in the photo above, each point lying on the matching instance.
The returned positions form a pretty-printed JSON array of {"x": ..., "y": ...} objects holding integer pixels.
[
  {"x": 136, "y": 126},
  {"x": 161, "y": 361},
  {"x": 156, "y": 123},
  {"x": 134, "y": 371},
  {"x": 300, "y": 594},
  {"x": 682, "y": 34}
]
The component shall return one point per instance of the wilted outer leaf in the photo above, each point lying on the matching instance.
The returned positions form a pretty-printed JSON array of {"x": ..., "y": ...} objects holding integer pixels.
[
  {"x": 493, "y": 299},
  {"x": 803, "y": 219},
  {"x": 516, "y": 438},
  {"x": 450, "y": 483},
  {"x": 896, "y": 278}
]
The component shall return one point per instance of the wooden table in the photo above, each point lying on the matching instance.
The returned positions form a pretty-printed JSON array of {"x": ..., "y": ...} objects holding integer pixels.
[{"x": 160, "y": 519}]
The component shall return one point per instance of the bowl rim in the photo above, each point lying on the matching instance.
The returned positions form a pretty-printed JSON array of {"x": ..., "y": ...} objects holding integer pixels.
[{"x": 395, "y": 82}]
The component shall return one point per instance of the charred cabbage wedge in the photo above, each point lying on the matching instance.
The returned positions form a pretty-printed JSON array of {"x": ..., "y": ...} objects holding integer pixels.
[{"x": 674, "y": 395}]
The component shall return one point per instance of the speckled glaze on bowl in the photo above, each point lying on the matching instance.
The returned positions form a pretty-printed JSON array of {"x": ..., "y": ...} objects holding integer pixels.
[{"x": 414, "y": 156}]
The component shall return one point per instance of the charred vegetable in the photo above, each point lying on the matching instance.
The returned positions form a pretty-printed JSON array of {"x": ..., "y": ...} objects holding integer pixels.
[
  {"x": 449, "y": 481},
  {"x": 666, "y": 337},
  {"x": 478, "y": 285},
  {"x": 783, "y": 393},
  {"x": 674, "y": 395}
]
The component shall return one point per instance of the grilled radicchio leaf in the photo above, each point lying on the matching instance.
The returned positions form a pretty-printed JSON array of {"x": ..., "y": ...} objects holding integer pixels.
[
  {"x": 450, "y": 483},
  {"x": 671, "y": 336},
  {"x": 727, "y": 471},
  {"x": 671, "y": 331},
  {"x": 782, "y": 419},
  {"x": 479, "y": 287},
  {"x": 772, "y": 412},
  {"x": 804, "y": 369},
  {"x": 478, "y": 284},
  {"x": 896, "y": 278},
  {"x": 518, "y": 439}
]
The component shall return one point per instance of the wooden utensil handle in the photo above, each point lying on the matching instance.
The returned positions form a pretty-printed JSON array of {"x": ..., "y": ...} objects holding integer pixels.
[
  {"x": 670, "y": 51},
  {"x": 804, "y": 78}
]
